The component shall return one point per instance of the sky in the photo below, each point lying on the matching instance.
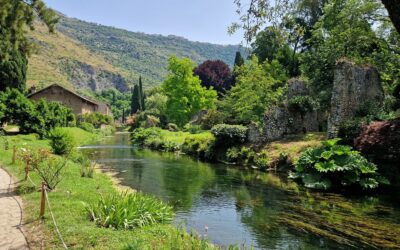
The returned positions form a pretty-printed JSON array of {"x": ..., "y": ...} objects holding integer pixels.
[{"x": 196, "y": 20}]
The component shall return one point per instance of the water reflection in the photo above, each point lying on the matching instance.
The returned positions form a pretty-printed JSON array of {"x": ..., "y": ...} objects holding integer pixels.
[{"x": 253, "y": 208}]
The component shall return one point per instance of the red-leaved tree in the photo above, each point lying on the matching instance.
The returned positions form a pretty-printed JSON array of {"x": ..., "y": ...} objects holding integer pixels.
[{"x": 216, "y": 74}]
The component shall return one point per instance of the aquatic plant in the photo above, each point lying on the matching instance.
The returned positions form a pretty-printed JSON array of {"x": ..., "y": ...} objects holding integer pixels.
[
  {"x": 129, "y": 210},
  {"x": 332, "y": 166}
]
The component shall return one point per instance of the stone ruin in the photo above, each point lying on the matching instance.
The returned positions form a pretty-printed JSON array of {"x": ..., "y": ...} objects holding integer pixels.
[
  {"x": 353, "y": 87},
  {"x": 279, "y": 121}
]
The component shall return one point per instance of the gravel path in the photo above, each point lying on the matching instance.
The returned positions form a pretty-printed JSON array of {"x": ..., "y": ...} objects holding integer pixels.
[{"x": 11, "y": 235}]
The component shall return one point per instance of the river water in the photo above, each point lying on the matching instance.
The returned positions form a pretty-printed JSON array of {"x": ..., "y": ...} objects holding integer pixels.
[{"x": 248, "y": 208}]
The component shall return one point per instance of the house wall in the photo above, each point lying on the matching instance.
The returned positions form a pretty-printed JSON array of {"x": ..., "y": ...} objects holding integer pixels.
[
  {"x": 58, "y": 94},
  {"x": 104, "y": 109}
]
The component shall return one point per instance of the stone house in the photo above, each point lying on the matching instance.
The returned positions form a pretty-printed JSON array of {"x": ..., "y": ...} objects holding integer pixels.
[{"x": 78, "y": 103}]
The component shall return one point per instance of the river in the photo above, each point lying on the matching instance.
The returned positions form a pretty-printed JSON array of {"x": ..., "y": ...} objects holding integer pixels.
[{"x": 248, "y": 208}]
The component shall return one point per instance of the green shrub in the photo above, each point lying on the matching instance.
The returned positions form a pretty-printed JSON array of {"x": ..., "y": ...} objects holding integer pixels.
[
  {"x": 51, "y": 170},
  {"x": 129, "y": 211},
  {"x": 335, "y": 166},
  {"x": 193, "y": 129},
  {"x": 233, "y": 154},
  {"x": 61, "y": 142},
  {"x": 244, "y": 155},
  {"x": 262, "y": 160},
  {"x": 86, "y": 126},
  {"x": 96, "y": 119},
  {"x": 349, "y": 130},
  {"x": 140, "y": 135},
  {"x": 229, "y": 135},
  {"x": 212, "y": 118},
  {"x": 199, "y": 145}
]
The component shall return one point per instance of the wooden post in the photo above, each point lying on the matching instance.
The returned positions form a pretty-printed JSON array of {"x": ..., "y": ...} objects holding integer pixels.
[
  {"x": 26, "y": 170},
  {"x": 43, "y": 200},
  {"x": 14, "y": 154}
]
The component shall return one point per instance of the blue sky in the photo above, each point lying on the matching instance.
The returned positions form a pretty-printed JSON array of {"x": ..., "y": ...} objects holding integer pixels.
[{"x": 197, "y": 20}]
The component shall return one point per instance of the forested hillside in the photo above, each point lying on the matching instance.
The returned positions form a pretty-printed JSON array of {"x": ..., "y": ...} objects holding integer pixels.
[{"x": 93, "y": 56}]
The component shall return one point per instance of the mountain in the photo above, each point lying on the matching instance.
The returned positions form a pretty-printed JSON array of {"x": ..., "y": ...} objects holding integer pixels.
[{"x": 92, "y": 56}]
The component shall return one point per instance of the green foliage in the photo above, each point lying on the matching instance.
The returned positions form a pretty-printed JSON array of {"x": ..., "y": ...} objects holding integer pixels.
[
  {"x": 156, "y": 103},
  {"x": 229, "y": 134},
  {"x": 239, "y": 61},
  {"x": 200, "y": 146},
  {"x": 177, "y": 240},
  {"x": 13, "y": 71},
  {"x": 48, "y": 167},
  {"x": 258, "y": 86},
  {"x": 21, "y": 111},
  {"x": 212, "y": 118},
  {"x": 51, "y": 171},
  {"x": 193, "y": 129},
  {"x": 302, "y": 104},
  {"x": 15, "y": 18},
  {"x": 346, "y": 29},
  {"x": 140, "y": 135},
  {"x": 96, "y": 119},
  {"x": 270, "y": 44},
  {"x": 61, "y": 141},
  {"x": 350, "y": 129},
  {"x": 55, "y": 114},
  {"x": 86, "y": 126},
  {"x": 128, "y": 211},
  {"x": 246, "y": 156},
  {"x": 119, "y": 102},
  {"x": 185, "y": 94},
  {"x": 135, "y": 101},
  {"x": 87, "y": 166},
  {"x": 335, "y": 166}
]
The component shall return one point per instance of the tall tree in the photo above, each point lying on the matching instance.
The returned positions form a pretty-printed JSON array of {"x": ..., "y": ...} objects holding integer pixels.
[
  {"x": 13, "y": 71},
  {"x": 142, "y": 97},
  {"x": 15, "y": 17},
  {"x": 257, "y": 87},
  {"x": 270, "y": 44},
  {"x": 135, "y": 100},
  {"x": 255, "y": 15},
  {"x": 239, "y": 61},
  {"x": 216, "y": 74},
  {"x": 185, "y": 94}
]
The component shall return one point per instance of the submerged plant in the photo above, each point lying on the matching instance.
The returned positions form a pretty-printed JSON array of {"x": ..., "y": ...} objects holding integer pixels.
[
  {"x": 129, "y": 210},
  {"x": 333, "y": 166}
]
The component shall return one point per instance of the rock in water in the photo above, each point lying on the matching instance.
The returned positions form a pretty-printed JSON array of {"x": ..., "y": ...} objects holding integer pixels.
[{"x": 353, "y": 87}]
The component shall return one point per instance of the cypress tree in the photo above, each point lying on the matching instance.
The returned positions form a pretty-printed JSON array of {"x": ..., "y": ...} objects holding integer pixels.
[
  {"x": 239, "y": 61},
  {"x": 142, "y": 97},
  {"x": 13, "y": 72},
  {"x": 135, "y": 100}
]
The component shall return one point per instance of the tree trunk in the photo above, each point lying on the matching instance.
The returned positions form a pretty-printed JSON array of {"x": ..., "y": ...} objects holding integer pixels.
[{"x": 393, "y": 7}]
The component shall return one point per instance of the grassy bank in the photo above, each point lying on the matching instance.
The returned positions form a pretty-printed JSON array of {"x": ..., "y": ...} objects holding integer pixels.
[
  {"x": 205, "y": 146},
  {"x": 67, "y": 203}
]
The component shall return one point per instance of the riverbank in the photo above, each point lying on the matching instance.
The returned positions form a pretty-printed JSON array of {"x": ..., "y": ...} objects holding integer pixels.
[
  {"x": 68, "y": 201},
  {"x": 203, "y": 145},
  {"x": 250, "y": 207}
]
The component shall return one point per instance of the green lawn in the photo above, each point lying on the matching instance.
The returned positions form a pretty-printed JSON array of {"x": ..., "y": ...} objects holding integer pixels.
[{"x": 67, "y": 203}]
